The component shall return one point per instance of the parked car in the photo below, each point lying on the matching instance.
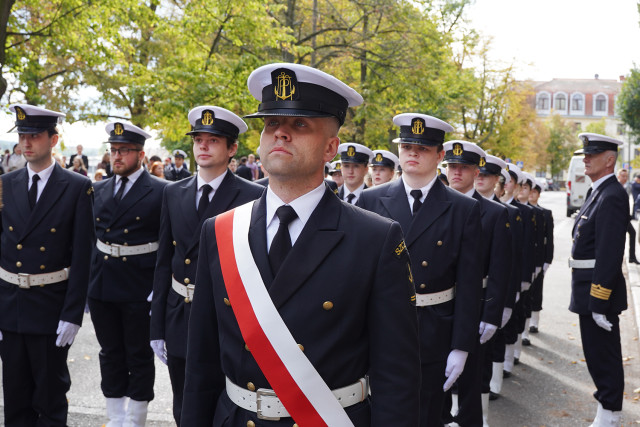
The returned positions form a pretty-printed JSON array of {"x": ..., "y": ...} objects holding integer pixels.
[{"x": 577, "y": 185}]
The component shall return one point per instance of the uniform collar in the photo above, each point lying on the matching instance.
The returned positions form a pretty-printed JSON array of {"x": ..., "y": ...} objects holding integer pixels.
[
  {"x": 43, "y": 174},
  {"x": 214, "y": 183}
]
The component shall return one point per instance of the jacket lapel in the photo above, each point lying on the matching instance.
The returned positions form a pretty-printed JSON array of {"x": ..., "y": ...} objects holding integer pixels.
[
  {"x": 317, "y": 240},
  {"x": 397, "y": 204},
  {"x": 480, "y": 200},
  {"x": 56, "y": 184},
  {"x": 139, "y": 189},
  {"x": 258, "y": 239},
  {"x": 188, "y": 190},
  {"x": 20, "y": 192},
  {"x": 436, "y": 204}
]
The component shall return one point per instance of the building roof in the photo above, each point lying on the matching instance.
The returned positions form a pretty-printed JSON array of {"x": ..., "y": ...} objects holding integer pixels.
[{"x": 578, "y": 85}]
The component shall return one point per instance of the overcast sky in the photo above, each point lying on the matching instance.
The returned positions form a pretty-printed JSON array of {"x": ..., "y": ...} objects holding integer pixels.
[{"x": 561, "y": 38}]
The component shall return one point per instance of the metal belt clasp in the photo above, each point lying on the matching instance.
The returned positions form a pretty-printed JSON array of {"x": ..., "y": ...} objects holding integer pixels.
[
  {"x": 260, "y": 393},
  {"x": 24, "y": 280}
]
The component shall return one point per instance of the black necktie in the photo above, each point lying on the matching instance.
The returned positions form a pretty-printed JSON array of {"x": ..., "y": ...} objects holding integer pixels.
[
  {"x": 120, "y": 193},
  {"x": 204, "y": 200},
  {"x": 588, "y": 193},
  {"x": 33, "y": 191},
  {"x": 350, "y": 198},
  {"x": 417, "y": 195},
  {"x": 281, "y": 243}
]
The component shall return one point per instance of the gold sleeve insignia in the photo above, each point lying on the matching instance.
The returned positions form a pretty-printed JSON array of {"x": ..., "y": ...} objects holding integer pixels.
[
  {"x": 597, "y": 291},
  {"x": 508, "y": 225},
  {"x": 518, "y": 218},
  {"x": 400, "y": 249},
  {"x": 89, "y": 191}
]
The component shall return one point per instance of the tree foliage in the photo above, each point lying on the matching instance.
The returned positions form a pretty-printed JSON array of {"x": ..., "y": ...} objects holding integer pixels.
[
  {"x": 151, "y": 61},
  {"x": 563, "y": 141},
  {"x": 629, "y": 102}
]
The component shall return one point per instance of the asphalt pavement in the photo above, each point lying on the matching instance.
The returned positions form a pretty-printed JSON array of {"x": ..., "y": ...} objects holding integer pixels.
[{"x": 550, "y": 387}]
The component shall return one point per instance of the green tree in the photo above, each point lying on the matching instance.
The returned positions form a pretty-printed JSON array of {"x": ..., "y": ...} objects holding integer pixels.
[
  {"x": 629, "y": 102},
  {"x": 563, "y": 141}
]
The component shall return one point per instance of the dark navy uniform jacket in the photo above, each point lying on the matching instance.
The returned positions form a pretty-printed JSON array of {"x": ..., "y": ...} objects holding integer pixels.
[
  {"x": 497, "y": 252},
  {"x": 344, "y": 291},
  {"x": 540, "y": 233},
  {"x": 517, "y": 236},
  {"x": 548, "y": 238},
  {"x": 528, "y": 240},
  {"x": 445, "y": 252},
  {"x": 178, "y": 253},
  {"x": 599, "y": 233},
  {"x": 135, "y": 220},
  {"x": 57, "y": 234},
  {"x": 172, "y": 174}
]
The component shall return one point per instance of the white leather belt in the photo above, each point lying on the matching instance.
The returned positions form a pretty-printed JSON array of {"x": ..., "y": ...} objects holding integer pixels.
[
  {"x": 116, "y": 250},
  {"x": 267, "y": 406},
  {"x": 485, "y": 282},
  {"x": 582, "y": 263},
  {"x": 26, "y": 281},
  {"x": 185, "y": 290},
  {"x": 423, "y": 300}
]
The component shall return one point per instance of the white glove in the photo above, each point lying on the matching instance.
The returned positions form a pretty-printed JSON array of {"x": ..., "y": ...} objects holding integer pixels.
[
  {"x": 506, "y": 315},
  {"x": 160, "y": 349},
  {"x": 66, "y": 333},
  {"x": 517, "y": 296},
  {"x": 1, "y": 336},
  {"x": 455, "y": 366},
  {"x": 538, "y": 270},
  {"x": 86, "y": 307},
  {"x": 601, "y": 320},
  {"x": 486, "y": 331},
  {"x": 524, "y": 286},
  {"x": 545, "y": 267}
]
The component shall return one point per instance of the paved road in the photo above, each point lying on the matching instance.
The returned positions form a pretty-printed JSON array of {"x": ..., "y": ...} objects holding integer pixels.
[{"x": 551, "y": 387}]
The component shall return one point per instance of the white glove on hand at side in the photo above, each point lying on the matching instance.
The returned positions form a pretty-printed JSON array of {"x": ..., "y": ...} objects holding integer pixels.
[
  {"x": 455, "y": 366},
  {"x": 149, "y": 299},
  {"x": 524, "y": 286},
  {"x": 506, "y": 315},
  {"x": 601, "y": 320},
  {"x": 545, "y": 267},
  {"x": 486, "y": 331},
  {"x": 160, "y": 349},
  {"x": 66, "y": 333}
]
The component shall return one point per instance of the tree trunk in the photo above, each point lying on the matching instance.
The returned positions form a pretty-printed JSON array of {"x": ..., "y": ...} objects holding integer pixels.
[{"x": 5, "y": 11}]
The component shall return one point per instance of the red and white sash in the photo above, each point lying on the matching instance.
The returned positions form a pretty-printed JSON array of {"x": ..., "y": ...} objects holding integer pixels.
[{"x": 297, "y": 383}]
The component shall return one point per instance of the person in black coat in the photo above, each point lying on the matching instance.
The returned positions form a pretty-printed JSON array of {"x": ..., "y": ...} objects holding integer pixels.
[
  {"x": 463, "y": 160},
  {"x": 47, "y": 233},
  {"x": 177, "y": 171},
  {"x": 85, "y": 159},
  {"x": 185, "y": 207},
  {"x": 493, "y": 175},
  {"x": 244, "y": 171},
  {"x": 323, "y": 320},
  {"x": 127, "y": 213},
  {"x": 598, "y": 288},
  {"x": 441, "y": 228}
]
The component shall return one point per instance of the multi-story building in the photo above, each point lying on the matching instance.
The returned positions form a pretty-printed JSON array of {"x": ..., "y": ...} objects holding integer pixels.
[{"x": 584, "y": 101}]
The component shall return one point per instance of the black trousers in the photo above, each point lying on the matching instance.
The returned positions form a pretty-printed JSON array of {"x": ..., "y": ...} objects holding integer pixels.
[
  {"x": 536, "y": 293},
  {"x": 603, "y": 354},
  {"x": 177, "y": 366},
  {"x": 431, "y": 394},
  {"x": 632, "y": 241},
  {"x": 498, "y": 346},
  {"x": 469, "y": 387},
  {"x": 35, "y": 379},
  {"x": 126, "y": 358}
]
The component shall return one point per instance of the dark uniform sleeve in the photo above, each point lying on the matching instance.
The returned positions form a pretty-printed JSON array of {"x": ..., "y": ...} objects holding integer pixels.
[
  {"x": 83, "y": 241},
  {"x": 549, "y": 238},
  {"x": 468, "y": 284},
  {"x": 393, "y": 324},
  {"x": 611, "y": 232},
  {"x": 162, "y": 276},
  {"x": 204, "y": 380},
  {"x": 499, "y": 271}
]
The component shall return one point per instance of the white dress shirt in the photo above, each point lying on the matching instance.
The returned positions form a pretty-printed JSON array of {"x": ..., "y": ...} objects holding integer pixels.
[
  {"x": 425, "y": 191},
  {"x": 355, "y": 192},
  {"x": 44, "y": 175},
  {"x": 304, "y": 207},
  {"x": 214, "y": 183},
  {"x": 132, "y": 179}
]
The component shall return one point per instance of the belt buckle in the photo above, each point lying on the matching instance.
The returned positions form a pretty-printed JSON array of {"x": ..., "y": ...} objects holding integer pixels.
[
  {"x": 264, "y": 392},
  {"x": 24, "y": 280},
  {"x": 115, "y": 250},
  {"x": 190, "y": 290}
]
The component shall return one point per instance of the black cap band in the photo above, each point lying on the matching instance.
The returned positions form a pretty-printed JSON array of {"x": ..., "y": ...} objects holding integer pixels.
[
  {"x": 380, "y": 160},
  {"x": 215, "y": 126},
  {"x": 491, "y": 169},
  {"x": 429, "y": 136},
  {"x": 594, "y": 147},
  {"x": 356, "y": 158},
  {"x": 126, "y": 137},
  {"x": 459, "y": 155}
]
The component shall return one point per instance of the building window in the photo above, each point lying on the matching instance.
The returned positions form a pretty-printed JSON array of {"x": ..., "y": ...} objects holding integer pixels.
[
  {"x": 577, "y": 102},
  {"x": 543, "y": 102},
  {"x": 600, "y": 104},
  {"x": 560, "y": 102}
]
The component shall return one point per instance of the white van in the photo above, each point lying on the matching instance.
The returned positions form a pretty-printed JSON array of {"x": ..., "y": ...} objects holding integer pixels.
[{"x": 577, "y": 185}]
